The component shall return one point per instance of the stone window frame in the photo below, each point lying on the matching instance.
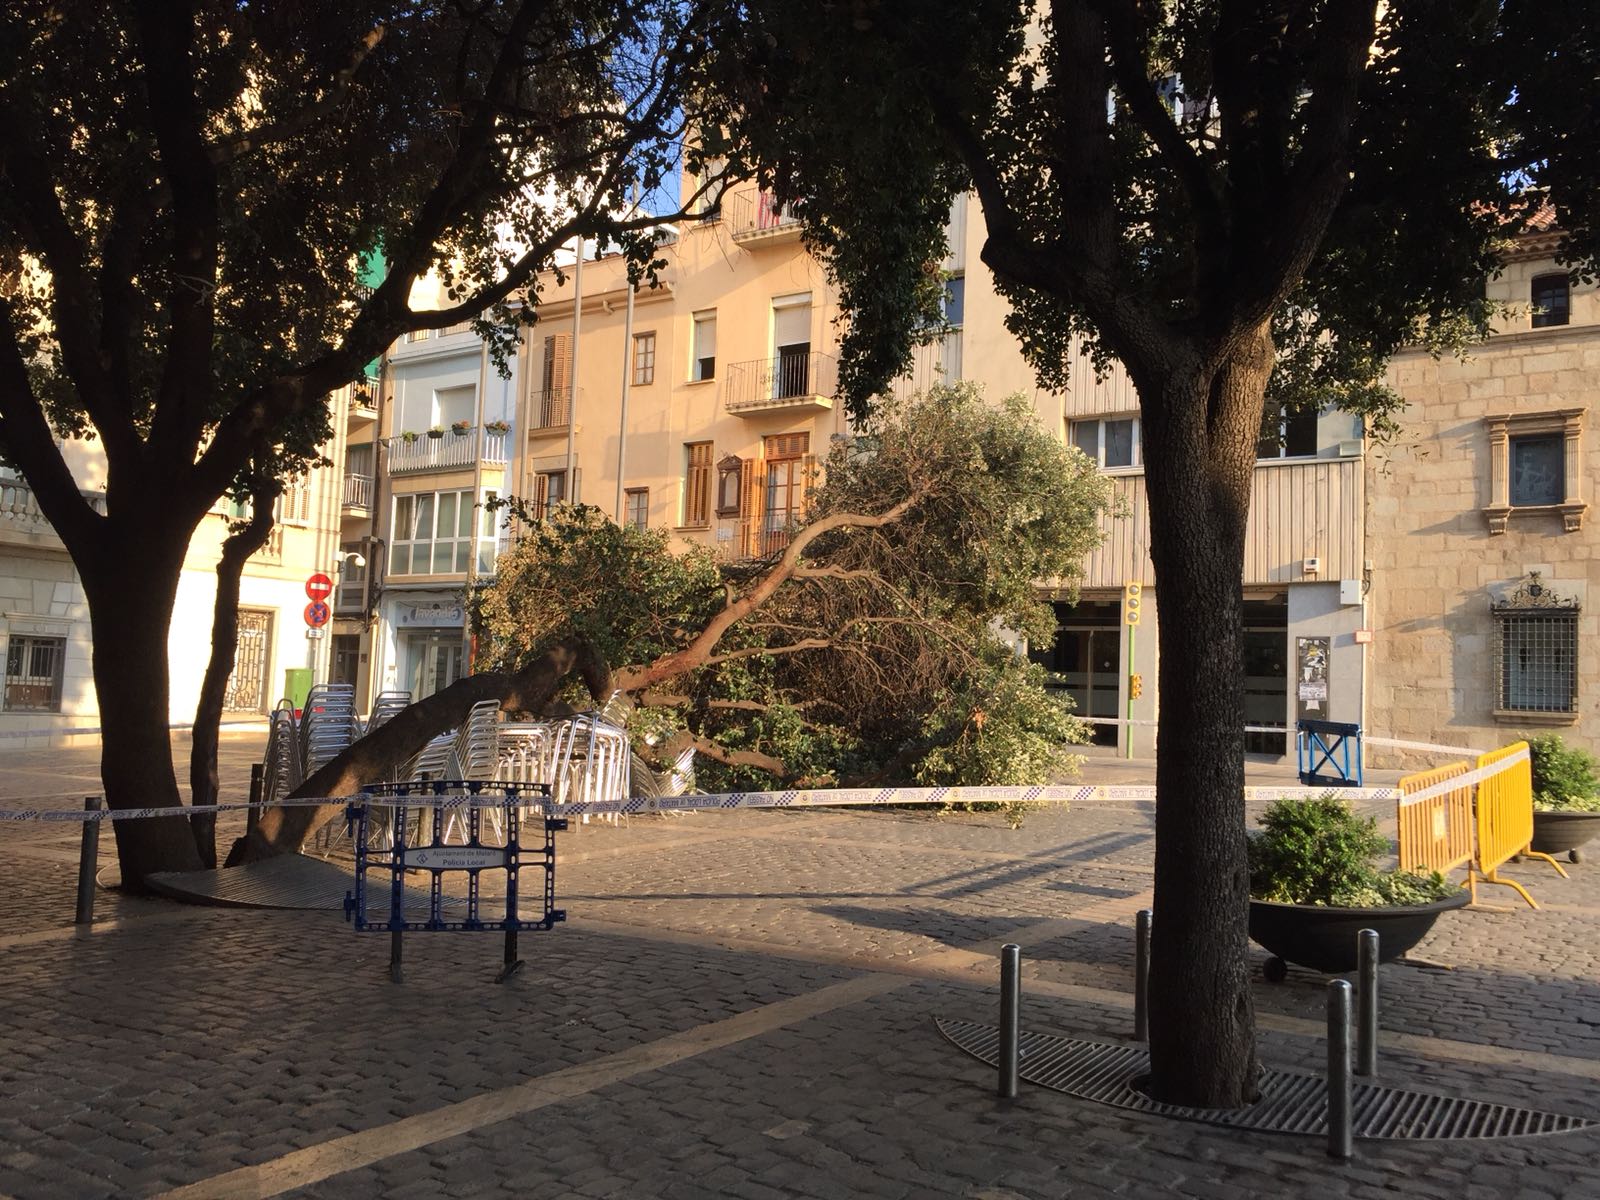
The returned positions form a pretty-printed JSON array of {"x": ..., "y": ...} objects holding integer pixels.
[{"x": 1502, "y": 427}]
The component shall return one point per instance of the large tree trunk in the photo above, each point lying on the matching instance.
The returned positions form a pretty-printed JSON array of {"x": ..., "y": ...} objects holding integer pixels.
[
  {"x": 131, "y": 585},
  {"x": 203, "y": 781},
  {"x": 284, "y": 830},
  {"x": 1202, "y": 1014}
]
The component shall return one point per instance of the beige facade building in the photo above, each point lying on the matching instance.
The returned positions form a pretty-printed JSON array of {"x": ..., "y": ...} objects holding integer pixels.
[
  {"x": 44, "y": 617},
  {"x": 1479, "y": 527},
  {"x": 705, "y": 410}
]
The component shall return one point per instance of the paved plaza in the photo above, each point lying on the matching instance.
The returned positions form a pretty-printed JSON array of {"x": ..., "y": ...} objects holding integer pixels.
[{"x": 741, "y": 1004}]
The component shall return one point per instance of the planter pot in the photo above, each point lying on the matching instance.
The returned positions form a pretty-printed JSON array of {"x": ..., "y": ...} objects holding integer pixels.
[
  {"x": 1564, "y": 832},
  {"x": 1324, "y": 939},
  {"x": 436, "y": 433},
  {"x": 461, "y": 432}
]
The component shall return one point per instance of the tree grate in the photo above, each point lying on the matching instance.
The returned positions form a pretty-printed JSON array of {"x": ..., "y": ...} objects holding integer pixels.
[{"x": 1291, "y": 1101}]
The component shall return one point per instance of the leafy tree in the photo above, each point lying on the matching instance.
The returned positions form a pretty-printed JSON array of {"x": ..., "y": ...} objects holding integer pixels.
[
  {"x": 1242, "y": 203},
  {"x": 185, "y": 192},
  {"x": 864, "y": 650}
]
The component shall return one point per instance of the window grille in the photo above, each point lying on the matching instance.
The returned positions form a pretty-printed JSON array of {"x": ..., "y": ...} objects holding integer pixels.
[
  {"x": 1536, "y": 651},
  {"x": 34, "y": 666}
]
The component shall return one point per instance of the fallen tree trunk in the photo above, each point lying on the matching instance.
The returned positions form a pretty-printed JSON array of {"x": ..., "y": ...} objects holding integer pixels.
[{"x": 284, "y": 830}]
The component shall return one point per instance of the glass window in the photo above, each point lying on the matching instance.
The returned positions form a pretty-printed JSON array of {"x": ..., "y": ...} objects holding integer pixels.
[
  {"x": 637, "y": 507},
  {"x": 1291, "y": 434},
  {"x": 644, "y": 358},
  {"x": 1552, "y": 300},
  {"x": 1538, "y": 654},
  {"x": 704, "y": 365},
  {"x": 1537, "y": 462},
  {"x": 955, "y": 300},
  {"x": 434, "y": 534},
  {"x": 34, "y": 668},
  {"x": 1111, "y": 442}
]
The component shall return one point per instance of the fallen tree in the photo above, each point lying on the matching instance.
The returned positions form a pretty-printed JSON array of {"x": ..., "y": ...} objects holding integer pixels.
[{"x": 865, "y": 648}]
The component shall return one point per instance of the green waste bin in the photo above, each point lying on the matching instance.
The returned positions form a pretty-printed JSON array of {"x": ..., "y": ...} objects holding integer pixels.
[{"x": 297, "y": 686}]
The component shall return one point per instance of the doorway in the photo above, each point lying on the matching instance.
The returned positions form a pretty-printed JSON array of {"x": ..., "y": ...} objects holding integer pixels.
[
  {"x": 1084, "y": 658},
  {"x": 1266, "y": 673},
  {"x": 346, "y": 658},
  {"x": 433, "y": 661},
  {"x": 248, "y": 684}
]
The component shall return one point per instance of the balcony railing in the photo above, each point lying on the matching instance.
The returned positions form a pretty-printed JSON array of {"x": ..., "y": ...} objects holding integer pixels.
[
  {"x": 447, "y": 453},
  {"x": 757, "y": 216},
  {"x": 933, "y": 365},
  {"x": 788, "y": 381},
  {"x": 357, "y": 491},
  {"x": 552, "y": 409},
  {"x": 20, "y": 511},
  {"x": 362, "y": 406}
]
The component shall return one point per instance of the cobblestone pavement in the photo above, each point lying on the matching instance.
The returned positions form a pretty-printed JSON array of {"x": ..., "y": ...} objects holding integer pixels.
[{"x": 740, "y": 1005}]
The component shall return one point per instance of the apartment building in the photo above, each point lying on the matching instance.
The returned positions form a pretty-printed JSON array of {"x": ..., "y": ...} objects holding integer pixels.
[
  {"x": 1478, "y": 526},
  {"x": 704, "y": 407},
  {"x": 44, "y": 617}
]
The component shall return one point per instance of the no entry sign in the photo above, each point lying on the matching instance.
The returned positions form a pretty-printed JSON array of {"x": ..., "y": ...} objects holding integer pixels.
[{"x": 319, "y": 587}]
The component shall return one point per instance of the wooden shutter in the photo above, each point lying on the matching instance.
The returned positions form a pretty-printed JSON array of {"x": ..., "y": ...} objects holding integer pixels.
[
  {"x": 557, "y": 379},
  {"x": 541, "y": 496},
  {"x": 697, "y": 485}
]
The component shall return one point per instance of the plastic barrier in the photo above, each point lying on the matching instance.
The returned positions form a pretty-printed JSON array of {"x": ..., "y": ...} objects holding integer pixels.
[
  {"x": 1435, "y": 819},
  {"x": 1505, "y": 817}
]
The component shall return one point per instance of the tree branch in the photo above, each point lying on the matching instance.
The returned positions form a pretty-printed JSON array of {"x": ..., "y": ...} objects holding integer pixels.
[{"x": 681, "y": 741}]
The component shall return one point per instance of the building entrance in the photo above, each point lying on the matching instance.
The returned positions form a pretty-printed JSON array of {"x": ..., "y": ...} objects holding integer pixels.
[
  {"x": 1085, "y": 657},
  {"x": 1266, "y": 673},
  {"x": 433, "y": 661}
]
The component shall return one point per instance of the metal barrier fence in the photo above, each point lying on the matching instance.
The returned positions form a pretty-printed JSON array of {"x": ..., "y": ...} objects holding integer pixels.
[
  {"x": 1435, "y": 819},
  {"x": 1505, "y": 816}
]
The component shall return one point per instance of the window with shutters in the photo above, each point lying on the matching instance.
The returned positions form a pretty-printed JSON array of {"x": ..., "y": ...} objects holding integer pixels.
[
  {"x": 791, "y": 345},
  {"x": 786, "y": 468},
  {"x": 294, "y": 502},
  {"x": 553, "y": 404},
  {"x": 549, "y": 489},
  {"x": 703, "y": 365},
  {"x": 697, "y": 484}
]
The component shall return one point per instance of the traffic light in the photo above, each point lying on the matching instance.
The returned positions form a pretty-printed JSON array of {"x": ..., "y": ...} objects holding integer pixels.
[
  {"x": 1135, "y": 686},
  {"x": 1132, "y": 601}
]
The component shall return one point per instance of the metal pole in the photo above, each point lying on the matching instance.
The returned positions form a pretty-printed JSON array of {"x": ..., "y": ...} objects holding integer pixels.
[
  {"x": 1010, "y": 1025},
  {"x": 88, "y": 855},
  {"x": 1340, "y": 1135},
  {"x": 1141, "y": 976},
  {"x": 627, "y": 382},
  {"x": 571, "y": 494},
  {"x": 1367, "y": 1022},
  {"x": 1127, "y": 729},
  {"x": 252, "y": 816}
]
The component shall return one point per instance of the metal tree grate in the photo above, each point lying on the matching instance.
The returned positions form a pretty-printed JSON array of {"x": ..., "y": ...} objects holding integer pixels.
[{"x": 1291, "y": 1102}]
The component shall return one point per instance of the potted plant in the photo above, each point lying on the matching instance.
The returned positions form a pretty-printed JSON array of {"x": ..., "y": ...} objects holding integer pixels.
[
  {"x": 1566, "y": 796},
  {"x": 497, "y": 426},
  {"x": 460, "y": 428},
  {"x": 1314, "y": 886},
  {"x": 436, "y": 432},
  {"x": 409, "y": 436}
]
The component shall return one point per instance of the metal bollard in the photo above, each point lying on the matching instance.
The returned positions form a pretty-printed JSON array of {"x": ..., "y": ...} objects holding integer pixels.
[
  {"x": 88, "y": 856},
  {"x": 1340, "y": 1134},
  {"x": 252, "y": 816},
  {"x": 1141, "y": 976},
  {"x": 1367, "y": 1004},
  {"x": 1010, "y": 1018}
]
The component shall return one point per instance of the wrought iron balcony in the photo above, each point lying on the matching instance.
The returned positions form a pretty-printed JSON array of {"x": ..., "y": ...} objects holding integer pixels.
[
  {"x": 758, "y": 217},
  {"x": 453, "y": 451},
  {"x": 789, "y": 381},
  {"x": 552, "y": 409}
]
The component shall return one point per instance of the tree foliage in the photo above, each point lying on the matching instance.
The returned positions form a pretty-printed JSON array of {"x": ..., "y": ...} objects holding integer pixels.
[
  {"x": 193, "y": 197},
  {"x": 877, "y": 655}
]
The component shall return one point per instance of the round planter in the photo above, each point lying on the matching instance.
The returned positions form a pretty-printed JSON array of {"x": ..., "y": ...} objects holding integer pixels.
[
  {"x": 436, "y": 434},
  {"x": 1324, "y": 939},
  {"x": 1564, "y": 832}
]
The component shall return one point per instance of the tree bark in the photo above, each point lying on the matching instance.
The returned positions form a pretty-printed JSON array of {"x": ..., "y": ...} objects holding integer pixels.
[
  {"x": 131, "y": 585},
  {"x": 284, "y": 830},
  {"x": 1203, "y": 432},
  {"x": 203, "y": 781}
]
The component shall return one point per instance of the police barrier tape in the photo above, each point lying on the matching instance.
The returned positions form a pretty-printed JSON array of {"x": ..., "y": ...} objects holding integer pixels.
[
  {"x": 639, "y": 805},
  {"x": 1474, "y": 776}
]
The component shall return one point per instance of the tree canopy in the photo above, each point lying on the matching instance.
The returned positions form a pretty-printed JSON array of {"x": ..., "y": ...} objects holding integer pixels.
[
  {"x": 1246, "y": 204},
  {"x": 874, "y": 649}
]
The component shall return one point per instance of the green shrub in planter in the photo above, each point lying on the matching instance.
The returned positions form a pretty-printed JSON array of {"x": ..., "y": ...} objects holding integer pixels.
[
  {"x": 1564, "y": 777},
  {"x": 1317, "y": 851}
]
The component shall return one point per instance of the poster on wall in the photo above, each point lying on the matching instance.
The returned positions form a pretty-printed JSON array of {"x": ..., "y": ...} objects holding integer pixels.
[{"x": 1311, "y": 678}]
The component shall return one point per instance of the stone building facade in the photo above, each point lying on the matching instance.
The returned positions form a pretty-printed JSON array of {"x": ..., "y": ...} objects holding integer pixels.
[{"x": 1480, "y": 536}]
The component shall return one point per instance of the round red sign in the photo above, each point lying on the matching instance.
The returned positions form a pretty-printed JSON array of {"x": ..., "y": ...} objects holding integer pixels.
[
  {"x": 317, "y": 614},
  {"x": 319, "y": 586}
]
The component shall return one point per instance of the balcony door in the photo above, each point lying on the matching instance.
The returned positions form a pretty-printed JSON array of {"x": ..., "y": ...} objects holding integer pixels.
[
  {"x": 791, "y": 344},
  {"x": 784, "y": 500}
]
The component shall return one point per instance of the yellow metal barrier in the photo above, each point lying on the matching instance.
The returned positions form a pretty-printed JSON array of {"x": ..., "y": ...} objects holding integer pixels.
[
  {"x": 1505, "y": 816},
  {"x": 1435, "y": 820}
]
